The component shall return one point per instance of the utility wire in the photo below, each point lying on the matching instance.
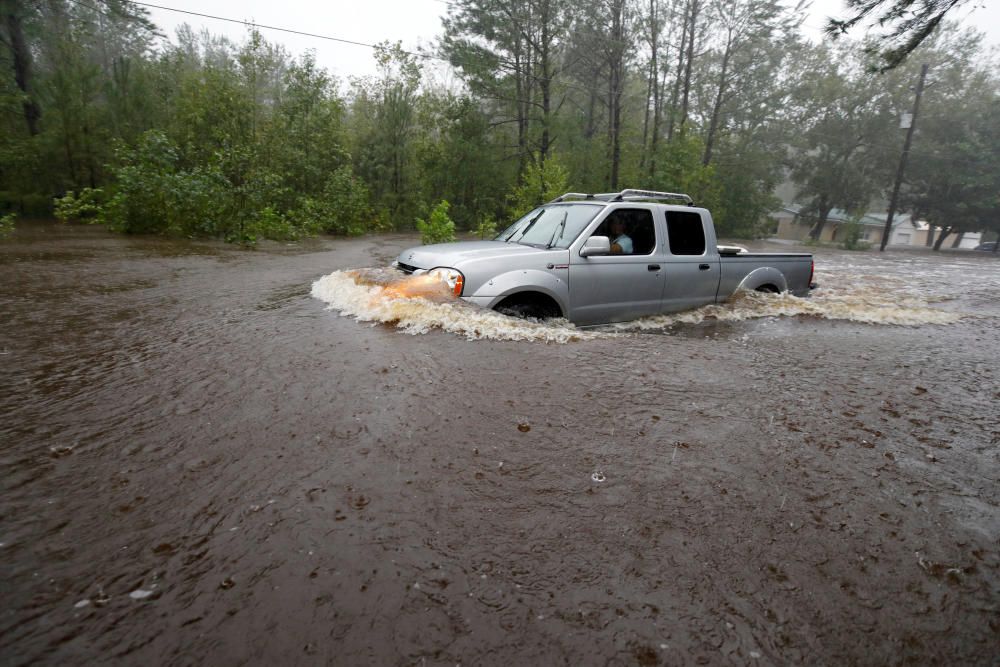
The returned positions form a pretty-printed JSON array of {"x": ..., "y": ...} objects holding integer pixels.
[
  {"x": 254, "y": 24},
  {"x": 426, "y": 56}
]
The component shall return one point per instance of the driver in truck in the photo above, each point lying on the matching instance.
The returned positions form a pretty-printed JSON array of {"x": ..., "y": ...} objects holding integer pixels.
[{"x": 621, "y": 243}]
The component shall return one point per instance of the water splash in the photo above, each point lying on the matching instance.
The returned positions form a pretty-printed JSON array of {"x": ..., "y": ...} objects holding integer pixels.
[
  {"x": 864, "y": 304},
  {"x": 418, "y": 304}
]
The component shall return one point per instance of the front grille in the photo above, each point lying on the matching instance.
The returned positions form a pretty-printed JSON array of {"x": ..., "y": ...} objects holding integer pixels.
[{"x": 405, "y": 268}]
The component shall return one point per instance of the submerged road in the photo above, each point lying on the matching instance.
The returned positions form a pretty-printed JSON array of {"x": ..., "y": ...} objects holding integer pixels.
[{"x": 203, "y": 464}]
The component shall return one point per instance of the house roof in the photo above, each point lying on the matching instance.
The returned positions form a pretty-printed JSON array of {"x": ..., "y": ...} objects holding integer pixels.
[{"x": 870, "y": 219}]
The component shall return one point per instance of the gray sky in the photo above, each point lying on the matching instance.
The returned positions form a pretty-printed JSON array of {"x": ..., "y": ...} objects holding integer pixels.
[{"x": 414, "y": 22}]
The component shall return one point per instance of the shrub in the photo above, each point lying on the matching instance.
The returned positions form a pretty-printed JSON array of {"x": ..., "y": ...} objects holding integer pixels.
[
  {"x": 7, "y": 225},
  {"x": 852, "y": 236},
  {"x": 541, "y": 183},
  {"x": 343, "y": 208},
  {"x": 86, "y": 206},
  {"x": 438, "y": 228},
  {"x": 487, "y": 228}
]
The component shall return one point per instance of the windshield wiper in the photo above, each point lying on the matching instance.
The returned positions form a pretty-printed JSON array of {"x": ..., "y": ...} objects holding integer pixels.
[
  {"x": 528, "y": 227},
  {"x": 561, "y": 228}
]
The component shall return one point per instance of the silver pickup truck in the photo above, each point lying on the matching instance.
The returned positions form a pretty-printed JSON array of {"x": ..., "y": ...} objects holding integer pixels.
[{"x": 602, "y": 258}]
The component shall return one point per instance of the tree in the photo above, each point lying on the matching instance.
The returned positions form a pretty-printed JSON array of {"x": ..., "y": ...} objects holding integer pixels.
[
  {"x": 510, "y": 51},
  {"x": 953, "y": 180},
  {"x": 840, "y": 160},
  {"x": 908, "y": 23},
  {"x": 14, "y": 13}
]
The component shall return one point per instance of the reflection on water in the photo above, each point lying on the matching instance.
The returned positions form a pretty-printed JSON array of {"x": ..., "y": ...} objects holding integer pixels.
[{"x": 848, "y": 291}]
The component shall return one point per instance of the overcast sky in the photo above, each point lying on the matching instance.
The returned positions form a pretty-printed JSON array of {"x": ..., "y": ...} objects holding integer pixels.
[{"x": 414, "y": 22}]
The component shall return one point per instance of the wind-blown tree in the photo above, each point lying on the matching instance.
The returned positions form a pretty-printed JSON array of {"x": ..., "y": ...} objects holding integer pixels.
[
  {"x": 840, "y": 159},
  {"x": 953, "y": 175},
  {"x": 462, "y": 159},
  {"x": 907, "y": 24},
  {"x": 385, "y": 116},
  {"x": 510, "y": 53}
]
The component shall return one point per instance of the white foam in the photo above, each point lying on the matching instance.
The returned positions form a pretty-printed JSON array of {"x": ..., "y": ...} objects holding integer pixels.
[
  {"x": 419, "y": 314},
  {"x": 863, "y": 305},
  {"x": 415, "y": 306}
]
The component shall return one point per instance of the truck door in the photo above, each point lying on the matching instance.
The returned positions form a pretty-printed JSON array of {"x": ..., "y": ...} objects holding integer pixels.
[
  {"x": 624, "y": 285},
  {"x": 692, "y": 268}
]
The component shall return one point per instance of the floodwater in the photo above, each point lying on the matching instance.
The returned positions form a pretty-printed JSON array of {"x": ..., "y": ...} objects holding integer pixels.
[{"x": 221, "y": 456}]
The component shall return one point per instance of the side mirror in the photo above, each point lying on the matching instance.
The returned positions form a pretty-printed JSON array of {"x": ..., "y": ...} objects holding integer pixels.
[{"x": 596, "y": 245}]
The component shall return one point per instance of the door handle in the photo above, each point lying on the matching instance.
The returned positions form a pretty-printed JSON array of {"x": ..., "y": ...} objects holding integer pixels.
[
  {"x": 704, "y": 267},
  {"x": 652, "y": 267}
]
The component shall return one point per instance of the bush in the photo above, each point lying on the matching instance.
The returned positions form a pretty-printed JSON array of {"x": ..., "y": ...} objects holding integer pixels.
[
  {"x": 438, "y": 228},
  {"x": 7, "y": 225},
  {"x": 343, "y": 208},
  {"x": 541, "y": 183},
  {"x": 487, "y": 228},
  {"x": 85, "y": 207},
  {"x": 152, "y": 195},
  {"x": 852, "y": 236}
]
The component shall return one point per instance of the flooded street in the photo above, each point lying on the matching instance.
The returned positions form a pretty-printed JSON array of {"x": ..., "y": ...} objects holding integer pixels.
[{"x": 221, "y": 456}]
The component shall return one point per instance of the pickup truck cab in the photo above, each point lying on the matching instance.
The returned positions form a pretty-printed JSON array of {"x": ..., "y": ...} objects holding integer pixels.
[{"x": 602, "y": 258}]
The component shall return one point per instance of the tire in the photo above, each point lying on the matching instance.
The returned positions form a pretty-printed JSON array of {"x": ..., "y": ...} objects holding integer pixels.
[{"x": 538, "y": 307}]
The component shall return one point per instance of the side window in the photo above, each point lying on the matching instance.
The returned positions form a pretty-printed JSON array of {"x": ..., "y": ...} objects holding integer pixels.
[
  {"x": 630, "y": 231},
  {"x": 686, "y": 233}
]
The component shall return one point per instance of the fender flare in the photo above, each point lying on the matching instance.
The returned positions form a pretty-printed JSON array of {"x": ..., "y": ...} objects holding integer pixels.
[
  {"x": 499, "y": 287},
  {"x": 765, "y": 275}
]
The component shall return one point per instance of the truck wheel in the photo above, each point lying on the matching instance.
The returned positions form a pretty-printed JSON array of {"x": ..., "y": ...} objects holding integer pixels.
[
  {"x": 768, "y": 289},
  {"x": 529, "y": 306}
]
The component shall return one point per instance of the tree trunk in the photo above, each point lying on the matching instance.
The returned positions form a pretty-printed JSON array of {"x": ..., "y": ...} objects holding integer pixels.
[
  {"x": 678, "y": 78},
  {"x": 21, "y": 57},
  {"x": 931, "y": 229},
  {"x": 713, "y": 124},
  {"x": 958, "y": 240},
  {"x": 652, "y": 87},
  {"x": 615, "y": 84},
  {"x": 645, "y": 119},
  {"x": 685, "y": 98},
  {"x": 545, "y": 83},
  {"x": 654, "y": 144},
  {"x": 945, "y": 232},
  {"x": 521, "y": 92},
  {"x": 824, "y": 213}
]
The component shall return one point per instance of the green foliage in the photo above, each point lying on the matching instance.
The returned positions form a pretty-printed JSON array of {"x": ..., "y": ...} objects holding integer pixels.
[
  {"x": 906, "y": 25},
  {"x": 154, "y": 194},
  {"x": 83, "y": 207},
  {"x": 542, "y": 182},
  {"x": 7, "y": 225},
  {"x": 206, "y": 137},
  {"x": 438, "y": 228},
  {"x": 852, "y": 235},
  {"x": 342, "y": 208},
  {"x": 487, "y": 228}
]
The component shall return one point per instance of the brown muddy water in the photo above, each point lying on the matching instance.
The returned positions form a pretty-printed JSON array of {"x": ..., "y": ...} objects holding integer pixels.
[{"x": 205, "y": 464}]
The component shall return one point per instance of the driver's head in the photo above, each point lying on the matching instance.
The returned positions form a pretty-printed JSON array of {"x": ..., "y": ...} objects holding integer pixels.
[{"x": 618, "y": 226}]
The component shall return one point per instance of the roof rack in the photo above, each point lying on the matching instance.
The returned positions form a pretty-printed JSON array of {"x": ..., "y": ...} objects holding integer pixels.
[{"x": 629, "y": 194}]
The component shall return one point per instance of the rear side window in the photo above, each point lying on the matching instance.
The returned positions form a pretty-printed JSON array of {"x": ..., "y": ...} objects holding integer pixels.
[{"x": 686, "y": 233}]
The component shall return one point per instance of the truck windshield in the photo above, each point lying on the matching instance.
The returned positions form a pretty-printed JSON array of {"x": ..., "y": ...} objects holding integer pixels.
[{"x": 551, "y": 226}]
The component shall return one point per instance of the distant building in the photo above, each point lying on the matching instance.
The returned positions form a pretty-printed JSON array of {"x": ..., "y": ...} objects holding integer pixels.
[
  {"x": 793, "y": 226},
  {"x": 905, "y": 231}
]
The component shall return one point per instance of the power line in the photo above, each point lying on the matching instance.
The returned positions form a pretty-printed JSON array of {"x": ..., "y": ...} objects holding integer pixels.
[
  {"x": 425, "y": 56},
  {"x": 253, "y": 24}
]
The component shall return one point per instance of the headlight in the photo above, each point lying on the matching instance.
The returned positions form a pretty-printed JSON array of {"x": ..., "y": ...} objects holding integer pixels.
[{"x": 453, "y": 278}]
